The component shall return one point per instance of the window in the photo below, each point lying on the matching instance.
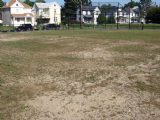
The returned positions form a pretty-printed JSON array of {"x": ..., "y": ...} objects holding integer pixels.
[
  {"x": 54, "y": 10},
  {"x": 18, "y": 19},
  {"x": 55, "y": 19},
  {"x": 96, "y": 12},
  {"x": 54, "y": 4},
  {"x": 17, "y": 10},
  {"x": 16, "y": 4}
]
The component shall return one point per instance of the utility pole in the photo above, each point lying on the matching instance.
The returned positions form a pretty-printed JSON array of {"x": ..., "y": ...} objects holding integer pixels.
[{"x": 81, "y": 14}]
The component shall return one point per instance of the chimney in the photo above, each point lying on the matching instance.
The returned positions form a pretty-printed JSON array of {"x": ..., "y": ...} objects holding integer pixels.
[{"x": 7, "y": 4}]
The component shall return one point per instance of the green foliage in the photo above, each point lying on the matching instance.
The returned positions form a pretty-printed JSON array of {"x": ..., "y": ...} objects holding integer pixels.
[
  {"x": 1, "y": 25},
  {"x": 132, "y": 4},
  {"x": 30, "y": 3},
  {"x": 145, "y": 5},
  {"x": 1, "y": 4},
  {"x": 104, "y": 7},
  {"x": 153, "y": 14},
  {"x": 101, "y": 18},
  {"x": 43, "y": 1},
  {"x": 40, "y": 19},
  {"x": 111, "y": 19},
  {"x": 68, "y": 10}
]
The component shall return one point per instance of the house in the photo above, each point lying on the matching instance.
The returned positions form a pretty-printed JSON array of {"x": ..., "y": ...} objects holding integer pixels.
[
  {"x": 124, "y": 14},
  {"x": 89, "y": 14},
  {"x": 45, "y": 13},
  {"x": 16, "y": 12}
]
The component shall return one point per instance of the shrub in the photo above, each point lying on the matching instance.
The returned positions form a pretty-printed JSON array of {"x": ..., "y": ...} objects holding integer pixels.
[
  {"x": 101, "y": 18},
  {"x": 1, "y": 25}
]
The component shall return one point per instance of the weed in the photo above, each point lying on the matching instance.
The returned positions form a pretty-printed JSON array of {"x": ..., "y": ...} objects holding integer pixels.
[{"x": 24, "y": 106}]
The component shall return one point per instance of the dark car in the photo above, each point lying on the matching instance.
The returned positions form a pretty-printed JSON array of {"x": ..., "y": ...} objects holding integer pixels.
[
  {"x": 24, "y": 27},
  {"x": 51, "y": 26}
]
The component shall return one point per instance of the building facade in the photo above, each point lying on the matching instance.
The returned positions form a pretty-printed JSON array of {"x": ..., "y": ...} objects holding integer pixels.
[
  {"x": 89, "y": 14},
  {"x": 16, "y": 12},
  {"x": 45, "y": 13}
]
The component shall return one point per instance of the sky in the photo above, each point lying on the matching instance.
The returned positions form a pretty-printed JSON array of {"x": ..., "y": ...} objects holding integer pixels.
[{"x": 122, "y": 2}]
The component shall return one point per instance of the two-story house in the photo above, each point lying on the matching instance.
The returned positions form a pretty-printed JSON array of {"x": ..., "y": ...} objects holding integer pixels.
[
  {"x": 89, "y": 14},
  {"x": 47, "y": 12},
  {"x": 126, "y": 15},
  {"x": 16, "y": 12}
]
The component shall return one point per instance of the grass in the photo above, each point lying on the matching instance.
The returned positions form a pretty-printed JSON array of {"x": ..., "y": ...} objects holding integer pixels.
[{"x": 42, "y": 60}]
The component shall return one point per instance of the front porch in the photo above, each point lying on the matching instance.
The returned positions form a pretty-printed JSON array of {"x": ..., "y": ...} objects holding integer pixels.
[
  {"x": 87, "y": 19},
  {"x": 19, "y": 19}
]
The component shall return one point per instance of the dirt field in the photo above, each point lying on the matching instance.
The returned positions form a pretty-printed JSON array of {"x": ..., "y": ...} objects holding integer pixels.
[{"x": 80, "y": 75}]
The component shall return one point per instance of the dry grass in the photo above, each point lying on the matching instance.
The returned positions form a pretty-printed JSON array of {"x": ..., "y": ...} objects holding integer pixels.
[{"x": 107, "y": 70}]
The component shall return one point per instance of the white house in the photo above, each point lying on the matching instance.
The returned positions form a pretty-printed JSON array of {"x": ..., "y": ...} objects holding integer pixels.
[
  {"x": 49, "y": 12},
  {"x": 88, "y": 13},
  {"x": 16, "y": 12},
  {"x": 124, "y": 14}
]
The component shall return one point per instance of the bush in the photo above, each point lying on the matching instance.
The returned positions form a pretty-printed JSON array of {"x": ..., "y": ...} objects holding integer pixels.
[
  {"x": 1, "y": 25},
  {"x": 101, "y": 18},
  {"x": 111, "y": 19}
]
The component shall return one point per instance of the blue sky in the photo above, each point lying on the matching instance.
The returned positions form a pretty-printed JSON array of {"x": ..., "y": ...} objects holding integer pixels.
[{"x": 122, "y": 2}]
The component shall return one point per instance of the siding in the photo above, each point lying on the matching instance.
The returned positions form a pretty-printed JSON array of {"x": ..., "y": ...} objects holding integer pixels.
[{"x": 6, "y": 16}]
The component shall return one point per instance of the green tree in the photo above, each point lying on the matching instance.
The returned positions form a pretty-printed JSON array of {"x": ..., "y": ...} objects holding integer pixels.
[
  {"x": 132, "y": 4},
  {"x": 41, "y": 19},
  {"x": 30, "y": 3},
  {"x": 111, "y": 19},
  {"x": 1, "y": 3},
  {"x": 43, "y": 1},
  {"x": 104, "y": 7},
  {"x": 145, "y": 5},
  {"x": 101, "y": 18},
  {"x": 153, "y": 15}
]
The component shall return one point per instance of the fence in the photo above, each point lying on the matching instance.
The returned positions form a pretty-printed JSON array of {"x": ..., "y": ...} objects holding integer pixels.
[{"x": 113, "y": 16}]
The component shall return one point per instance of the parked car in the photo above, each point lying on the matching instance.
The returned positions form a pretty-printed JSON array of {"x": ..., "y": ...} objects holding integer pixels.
[
  {"x": 24, "y": 27},
  {"x": 51, "y": 26}
]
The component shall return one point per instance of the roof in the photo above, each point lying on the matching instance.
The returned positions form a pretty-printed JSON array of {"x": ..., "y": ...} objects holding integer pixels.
[
  {"x": 128, "y": 9},
  {"x": 111, "y": 9},
  {"x": 22, "y": 15},
  {"x": 92, "y": 8},
  {"x": 13, "y": 1},
  {"x": 88, "y": 16},
  {"x": 45, "y": 5}
]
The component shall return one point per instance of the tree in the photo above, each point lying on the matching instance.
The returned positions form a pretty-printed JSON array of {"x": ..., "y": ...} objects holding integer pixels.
[
  {"x": 43, "y": 1},
  {"x": 132, "y": 4},
  {"x": 111, "y": 19},
  {"x": 68, "y": 10},
  {"x": 30, "y": 3},
  {"x": 1, "y": 4},
  {"x": 101, "y": 18},
  {"x": 153, "y": 15},
  {"x": 104, "y": 7},
  {"x": 87, "y": 2},
  {"x": 145, "y": 5},
  {"x": 40, "y": 19}
]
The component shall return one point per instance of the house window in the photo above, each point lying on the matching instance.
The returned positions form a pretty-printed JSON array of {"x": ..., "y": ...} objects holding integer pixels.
[
  {"x": 16, "y": 4},
  {"x": 17, "y": 10},
  {"x": 18, "y": 19},
  {"x": 55, "y": 19},
  {"x": 54, "y": 4},
  {"x": 54, "y": 10},
  {"x": 96, "y": 12}
]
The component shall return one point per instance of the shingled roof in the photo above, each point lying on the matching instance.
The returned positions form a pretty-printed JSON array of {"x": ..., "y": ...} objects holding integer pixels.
[{"x": 13, "y": 1}]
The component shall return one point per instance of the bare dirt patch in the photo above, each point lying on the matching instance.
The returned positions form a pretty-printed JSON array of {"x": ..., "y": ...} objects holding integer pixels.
[{"x": 85, "y": 79}]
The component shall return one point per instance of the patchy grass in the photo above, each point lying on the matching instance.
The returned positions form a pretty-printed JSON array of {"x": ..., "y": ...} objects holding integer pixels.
[{"x": 75, "y": 61}]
